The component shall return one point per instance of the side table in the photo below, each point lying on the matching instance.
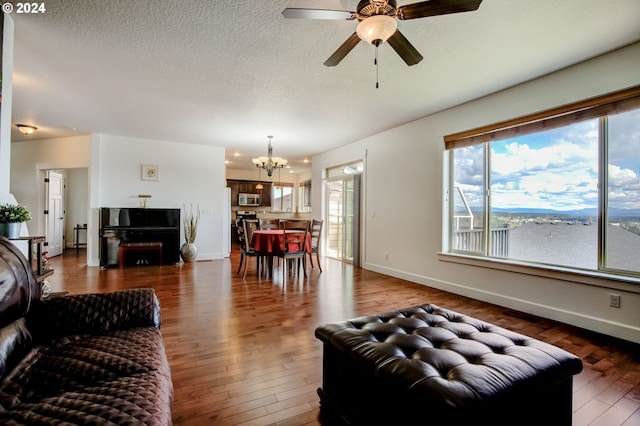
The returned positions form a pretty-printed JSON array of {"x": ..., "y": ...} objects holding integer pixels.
[{"x": 76, "y": 236}]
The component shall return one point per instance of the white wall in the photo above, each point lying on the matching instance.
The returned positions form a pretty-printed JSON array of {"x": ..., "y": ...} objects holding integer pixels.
[
  {"x": 77, "y": 203},
  {"x": 29, "y": 161},
  {"x": 188, "y": 174},
  {"x": 404, "y": 202},
  {"x": 240, "y": 174},
  {"x": 5, "y": 108}
]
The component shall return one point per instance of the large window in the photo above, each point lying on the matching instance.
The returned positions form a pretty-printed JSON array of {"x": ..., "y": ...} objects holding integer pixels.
[
  {"x": 560, "y": 188},
  {"x": 282, "y": 197}
]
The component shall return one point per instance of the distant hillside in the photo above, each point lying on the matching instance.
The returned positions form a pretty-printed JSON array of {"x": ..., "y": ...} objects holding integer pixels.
[{"x": 580, "y": 213}]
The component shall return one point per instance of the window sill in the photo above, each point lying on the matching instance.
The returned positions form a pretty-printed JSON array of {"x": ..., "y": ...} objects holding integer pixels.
[{"x": 598, "y": 279}]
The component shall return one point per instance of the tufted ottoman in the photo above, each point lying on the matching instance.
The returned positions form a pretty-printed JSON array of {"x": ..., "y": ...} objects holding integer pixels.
[{"x": 428, "y": 365}]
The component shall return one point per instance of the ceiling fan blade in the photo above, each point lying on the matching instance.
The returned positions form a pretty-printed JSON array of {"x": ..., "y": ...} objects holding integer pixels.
[
  {"x": 301, "y": 13},
  {"x": 401, "y": 45},
  {"x": 436, "y": 7},
  {"x": 342, "y": 51}
]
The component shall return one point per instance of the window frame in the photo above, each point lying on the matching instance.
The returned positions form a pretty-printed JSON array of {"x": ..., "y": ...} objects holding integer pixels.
[
  {"x": 273, "y": 197},
  {"x": 597, "y": 107}
]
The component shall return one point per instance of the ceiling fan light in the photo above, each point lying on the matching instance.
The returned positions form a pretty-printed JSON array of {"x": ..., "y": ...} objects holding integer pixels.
[{"x": 377, "y": 27}]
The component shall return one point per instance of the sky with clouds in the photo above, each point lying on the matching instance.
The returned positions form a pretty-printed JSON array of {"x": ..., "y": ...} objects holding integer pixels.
[{"x": 557, "y": 169}]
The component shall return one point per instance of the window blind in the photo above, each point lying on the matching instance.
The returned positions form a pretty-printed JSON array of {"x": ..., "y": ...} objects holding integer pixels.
[{"x": 565, "y": 115}]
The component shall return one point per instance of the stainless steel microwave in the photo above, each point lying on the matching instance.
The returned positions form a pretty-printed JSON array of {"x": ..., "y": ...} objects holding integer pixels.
[{"x": 248, "y": 199}]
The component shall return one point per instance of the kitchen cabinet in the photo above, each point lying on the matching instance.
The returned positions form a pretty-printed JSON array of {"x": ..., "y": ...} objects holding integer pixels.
[
  {"x": 233, "y": 185},
  {"x": 249, "y": 187},
  {"x": 265, "y": 195},
  {"x": 246, "y": 187}
]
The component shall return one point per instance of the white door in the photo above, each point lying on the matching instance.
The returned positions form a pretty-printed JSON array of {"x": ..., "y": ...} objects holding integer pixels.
[{"x": 55, "y": 218}]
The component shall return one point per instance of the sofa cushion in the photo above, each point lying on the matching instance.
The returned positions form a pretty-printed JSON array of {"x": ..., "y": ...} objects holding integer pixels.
[
  {"x": 15, "y": 343},
  {"x": 94, "y": 313},
  {"x": 119, "y": 377},
  {"x": 18, "y": 286}
]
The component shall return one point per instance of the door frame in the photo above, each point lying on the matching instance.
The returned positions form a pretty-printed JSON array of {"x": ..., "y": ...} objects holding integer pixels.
[{"x": 357, "y": 212}]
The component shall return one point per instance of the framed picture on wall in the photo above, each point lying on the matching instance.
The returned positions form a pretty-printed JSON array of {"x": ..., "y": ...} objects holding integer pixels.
[{"x": 150, "y": 172}]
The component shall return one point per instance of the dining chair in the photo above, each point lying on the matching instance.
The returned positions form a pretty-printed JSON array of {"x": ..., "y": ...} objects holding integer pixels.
[
  {"x": 249, "y": 225},
  {"x": 315, "y": 231},
  {"x": 269, "y": 224},
  {"x": 240, "y": 232},
  {"x": 295, "y": 224},
  {"x": 293, "y": 247}
]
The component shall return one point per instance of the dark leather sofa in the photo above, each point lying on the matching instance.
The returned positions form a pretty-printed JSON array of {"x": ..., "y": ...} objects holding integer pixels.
[
  {"x": 426, "y": 365},
  {"x": 81, "y": 359}
]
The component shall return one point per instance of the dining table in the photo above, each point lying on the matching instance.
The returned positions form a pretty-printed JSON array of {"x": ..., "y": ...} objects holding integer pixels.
[{"x": 270, "y": 243}]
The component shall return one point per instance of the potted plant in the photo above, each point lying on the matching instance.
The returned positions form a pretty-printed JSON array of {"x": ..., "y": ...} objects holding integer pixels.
[
  {"x": 190, "y": 221},
  {"x": 11, "y": 218}
]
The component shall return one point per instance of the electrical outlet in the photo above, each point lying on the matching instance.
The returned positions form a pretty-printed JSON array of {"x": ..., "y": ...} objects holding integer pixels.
[{"x": 614, "y": 300}]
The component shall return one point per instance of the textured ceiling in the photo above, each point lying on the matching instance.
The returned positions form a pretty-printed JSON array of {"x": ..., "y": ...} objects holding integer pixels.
[{"x": 229, "y": 73}]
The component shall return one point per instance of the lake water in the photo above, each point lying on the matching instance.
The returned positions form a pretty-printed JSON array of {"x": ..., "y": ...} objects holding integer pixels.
[{"x": 574, "y": 245}]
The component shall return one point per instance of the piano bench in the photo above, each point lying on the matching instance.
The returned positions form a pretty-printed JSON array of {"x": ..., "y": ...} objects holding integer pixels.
[{"x": 151, "y": 246}]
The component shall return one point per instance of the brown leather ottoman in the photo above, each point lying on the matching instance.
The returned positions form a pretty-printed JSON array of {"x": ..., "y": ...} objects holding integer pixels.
[{"x": 428, "y": 365}]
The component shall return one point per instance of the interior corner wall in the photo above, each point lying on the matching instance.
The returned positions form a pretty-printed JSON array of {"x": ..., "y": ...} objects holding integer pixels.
[
  {"x": 189, "y": 174},
  {"x": 403, "y": 210}
]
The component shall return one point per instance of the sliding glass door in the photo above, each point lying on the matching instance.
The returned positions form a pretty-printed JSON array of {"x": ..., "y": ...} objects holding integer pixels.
[{"x": 343, "y": 213}]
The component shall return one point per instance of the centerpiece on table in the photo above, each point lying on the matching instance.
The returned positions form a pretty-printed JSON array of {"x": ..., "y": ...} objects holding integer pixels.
[
  {"x": 11, "y": 218},
  {"x": 190, "y": 220}
]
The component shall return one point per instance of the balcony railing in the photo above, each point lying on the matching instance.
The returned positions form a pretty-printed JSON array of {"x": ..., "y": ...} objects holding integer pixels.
[{"x": 472, "y": 240}]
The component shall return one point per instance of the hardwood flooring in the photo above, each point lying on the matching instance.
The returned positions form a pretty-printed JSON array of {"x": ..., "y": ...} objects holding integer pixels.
[{"x": 244, "y": 352}]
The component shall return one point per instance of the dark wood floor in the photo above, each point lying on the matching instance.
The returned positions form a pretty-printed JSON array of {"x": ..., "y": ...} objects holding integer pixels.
[{"x": 244, "y": 353}]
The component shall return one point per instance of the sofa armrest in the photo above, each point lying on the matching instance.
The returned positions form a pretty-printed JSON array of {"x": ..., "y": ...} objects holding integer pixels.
[{"x": 95, "y": 313}]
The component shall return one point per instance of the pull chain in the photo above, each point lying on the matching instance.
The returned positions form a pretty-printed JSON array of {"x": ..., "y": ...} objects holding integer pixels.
[{"x": 375, "y": 62}]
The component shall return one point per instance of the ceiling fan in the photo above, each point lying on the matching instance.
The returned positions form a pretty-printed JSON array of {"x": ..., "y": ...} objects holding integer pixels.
[{"x": 378, "y": 23}]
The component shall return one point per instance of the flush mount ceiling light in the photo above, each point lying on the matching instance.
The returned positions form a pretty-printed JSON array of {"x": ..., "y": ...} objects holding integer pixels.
[
  {"x": 26, "y": 129},
  {"x": 269, "y": 163}
]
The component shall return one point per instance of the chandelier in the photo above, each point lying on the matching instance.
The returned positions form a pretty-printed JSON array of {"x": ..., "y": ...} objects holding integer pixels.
[{"x": 269, "y": 163}]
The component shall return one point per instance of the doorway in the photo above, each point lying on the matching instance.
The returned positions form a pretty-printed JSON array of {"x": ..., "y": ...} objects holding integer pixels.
[
  {"x": 343, "y": 194},
  {"x": 64, "y": 194}
]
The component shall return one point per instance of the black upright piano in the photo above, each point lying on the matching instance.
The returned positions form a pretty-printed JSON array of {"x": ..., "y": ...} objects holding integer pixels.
[{"x": 138, "y": 225}]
